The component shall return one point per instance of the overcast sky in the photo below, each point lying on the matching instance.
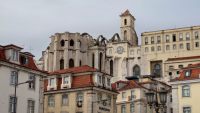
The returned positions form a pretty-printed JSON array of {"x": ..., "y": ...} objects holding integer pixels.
[{"x": 30, "y": 23}]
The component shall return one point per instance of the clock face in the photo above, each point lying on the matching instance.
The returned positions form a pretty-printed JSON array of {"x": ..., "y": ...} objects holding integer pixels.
[{"x": 120, "y": 50}]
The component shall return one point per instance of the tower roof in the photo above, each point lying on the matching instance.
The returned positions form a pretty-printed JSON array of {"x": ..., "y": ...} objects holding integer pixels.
[{"x": 127, "y": 13}]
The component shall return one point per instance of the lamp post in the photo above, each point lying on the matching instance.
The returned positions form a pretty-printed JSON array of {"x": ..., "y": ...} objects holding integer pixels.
[{"x": 17, "y": 84}]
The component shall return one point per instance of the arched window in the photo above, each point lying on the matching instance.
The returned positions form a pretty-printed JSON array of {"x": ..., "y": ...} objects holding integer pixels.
[
  {"x": 93, "y": 60},
  {"x": 100, "y": 61},
  {"x": 157, "y": 69},
  {"x": 80, "y": 63},
  {"x": 136, "y": 70},
  {"x": 125, "y": 22},
  {"x": 111, "y": 67},
  {"x": 61, "y": 64},
  {"x": 125, "y": 35},
  {"x": 71, "y": 43},
  {"x": 71, "y": 63},
  {"x": 62, "y": 43}
]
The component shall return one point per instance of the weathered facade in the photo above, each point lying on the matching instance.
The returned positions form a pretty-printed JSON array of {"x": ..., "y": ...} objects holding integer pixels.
[
  {"x": 79, "y": 90},
  {"x": 18, "y": 67}
]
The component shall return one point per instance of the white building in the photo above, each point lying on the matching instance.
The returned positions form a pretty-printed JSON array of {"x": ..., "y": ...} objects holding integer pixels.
[{"x": 17, "y": 66}]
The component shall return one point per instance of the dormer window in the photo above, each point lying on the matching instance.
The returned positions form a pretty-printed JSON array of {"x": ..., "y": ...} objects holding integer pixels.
[
  {"x": 15, "y": 55},
  {"x": 66, "y": 80},
  {"x": 108, "y": 82},
  {"x": 187, "y": 73},
  {"x": 24, "y": 60},
  {"x": 52, "y": 82}
]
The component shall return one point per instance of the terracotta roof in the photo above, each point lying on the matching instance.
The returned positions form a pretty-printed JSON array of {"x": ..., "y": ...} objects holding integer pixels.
[
  {"x": 194, "y": 73},
  {"x": 183, "y": 58},
  {"x": 80, "y": 69},
  {"x": 82, "y": 81},
  {"x": 30, "y": 65},
  {"x": 131, "y": 84}
]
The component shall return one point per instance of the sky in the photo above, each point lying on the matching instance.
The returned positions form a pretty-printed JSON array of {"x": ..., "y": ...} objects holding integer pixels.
[{"x": 30, "y": 23}]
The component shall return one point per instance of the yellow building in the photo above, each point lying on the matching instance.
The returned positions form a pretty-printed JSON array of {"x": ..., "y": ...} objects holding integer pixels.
[
  {"x": 131, "y": 97},
  {"x": 186, "y": 90},
  {"x": 79, "y": 90}
]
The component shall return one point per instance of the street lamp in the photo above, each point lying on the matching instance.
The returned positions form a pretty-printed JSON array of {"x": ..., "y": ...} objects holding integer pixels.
[{"x": 17, "y": 84}]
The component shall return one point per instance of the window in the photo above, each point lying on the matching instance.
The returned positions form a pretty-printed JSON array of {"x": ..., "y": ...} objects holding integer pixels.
[
  {"x": 187, "y": 73},
  {"x": 125, "y": 21},
  {"x": 158, "y": 39},
  {"x": 100, "y": 61},
  {"x": 181, "y": 46},
  {"x": 159, "y": 48},
  {"x": 171, "y": 98},
  {"x": 123, "y": 108},
  {"x": 125, "y": 35},
  {"x": 51, "y": 101},
  {"x": 108, "y": 82},
  {"x": 185, "y": 91},
  {"x": 157, "y": 69},
  {"x": 170, "y": 73},
  {"x": 171, "y": 110},
  {"x": 167, "y": 38},
  {"x": 187, "y": 36},
  {"x": 99, "y": 96},
  {"x": 188, "y": 46},
  {"x": 109, "y": 99},
  {"x": 79, "y": 99},
  {"x": 62, "y": 43},
  {"x": 71, "y": 63},
  {"x": 12, "y": 104},
  {"x": 180, "y": 66},
  {"x": 64, "y": 99},
  {"x": 31, "y": 85},
  {"x": 103, "y": 81},
  {"x": 93, "y": 60},
  {"x": 132, "y": 107},
  {"x": 174, "y": 46},
  {"x": 80, "y": 63},
  {"x": 52, "y": 82},
  {"x": 146, "y": 40},
  {"x": 15, "y": 55},
  {"x": 167, "y": 47},
  {"x": 187, "y": 110},
  {"x": 152, "y": 49},
  {"x": 31, "y": 106},
  {"x": 136, "y": 70},
  {"x": 71, "y": 43},
  {"x": 61, "y": 64},
  {"x": 196, "y": 34},
  {"x": 24, "y": 60},
  {"x": 111, "y": 67},
  {"x": 14, "y": 77},
  {"x": 99, "y": 79},
  {"x": 174, "y": 37},
  {"x": 181, "y": 37},
  {"x": 66, "y": 80},
  {"x": 132, "y": 95},
  {"x": 152, "y": 40},
  {"x": 146, "y": 49},
  {"x": 123, "y": 95},
  {"x": 196, "y": 44}
]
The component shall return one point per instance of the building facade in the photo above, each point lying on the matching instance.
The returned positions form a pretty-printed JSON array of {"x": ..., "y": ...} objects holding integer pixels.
[
  {"x": 18, "y": 67},
  {"x": 79, "y": 90},
  {"x": 185, "y": 90},
  {"x": 162, "y": 53}
]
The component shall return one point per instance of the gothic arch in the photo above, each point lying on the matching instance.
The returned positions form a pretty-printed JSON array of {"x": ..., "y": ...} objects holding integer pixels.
[
  {"x": 115, "y": 38},
  {"x": 61, "y": 64},
  {"x": 136, "y": 70},
  {"x": 71, "y": 63}
]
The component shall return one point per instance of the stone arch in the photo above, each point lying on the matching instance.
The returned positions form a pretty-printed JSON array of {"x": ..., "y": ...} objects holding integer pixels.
[
  {"x": 71, "y": 63},
  {"x": 136, "y": 70}
]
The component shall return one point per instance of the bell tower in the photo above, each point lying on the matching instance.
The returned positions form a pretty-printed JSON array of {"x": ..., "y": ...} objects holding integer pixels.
[{"x": 128, "y": 32}]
